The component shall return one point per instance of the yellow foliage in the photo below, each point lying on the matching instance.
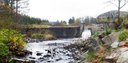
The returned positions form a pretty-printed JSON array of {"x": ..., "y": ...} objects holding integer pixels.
[{"x": 103, "y": 20}]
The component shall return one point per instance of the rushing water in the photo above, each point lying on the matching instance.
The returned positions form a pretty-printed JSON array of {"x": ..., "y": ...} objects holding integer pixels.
[{"x": 61, "y": 55}]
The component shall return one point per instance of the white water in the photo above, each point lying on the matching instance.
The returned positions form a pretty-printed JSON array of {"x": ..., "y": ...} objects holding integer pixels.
[
  {"x": 86, "y": 33},
  {"x": 58, "y": 44}
]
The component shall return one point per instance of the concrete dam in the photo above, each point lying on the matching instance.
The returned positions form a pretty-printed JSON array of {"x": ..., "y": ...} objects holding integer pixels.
[{"x": 57, "y": 31}]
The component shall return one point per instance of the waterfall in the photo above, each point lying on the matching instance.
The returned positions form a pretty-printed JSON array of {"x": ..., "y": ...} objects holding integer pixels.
[{"x": 86, "y": 34}]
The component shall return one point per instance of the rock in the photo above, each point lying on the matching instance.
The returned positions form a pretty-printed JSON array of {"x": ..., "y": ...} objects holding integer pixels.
[
  {"x": 26, "y": 40},
  {"x": 49, "y": 61},
  {"x": 38, "y": 54},
  {"x": 115, "y": 54},
  {"x": 41, "y": 58},
  {"x": 58, "y": 59},
  {"x": 127, "y": 39},
  {"x": 114, "y": 45},
  {"x": 22, "y": 61},
  {"x": 47, "y": 55},
  {"x": 27, "y": 52},
  {"x": 32, "y": 57},
  {"x": 32, "y": 40},
  {"x": 121, "y": 43},
  {"x": 21, "y": 54},
  {"x": 123, "y": 58}
]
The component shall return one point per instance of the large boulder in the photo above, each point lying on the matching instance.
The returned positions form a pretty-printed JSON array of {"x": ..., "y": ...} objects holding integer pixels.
[
  {"x": 123, "y": 58},
  {"x": 116, "y": 55}
]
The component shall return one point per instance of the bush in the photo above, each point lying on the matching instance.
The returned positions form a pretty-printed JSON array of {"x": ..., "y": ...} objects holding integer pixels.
[
  {"x": 108, "y": 31},
  {"x": 3, "y": 50},
  {"x": 90, "y": 56},
  {"x": 117, "y": 24},
  {"x": 123, "y": 36},
  {"x": 96, "y": 34},
  {"x": 10, "y": 41},
  {"x": 48, "y": 36},
  {"x": 36, "y": 35},
  {"x": 126, "y": 24}
]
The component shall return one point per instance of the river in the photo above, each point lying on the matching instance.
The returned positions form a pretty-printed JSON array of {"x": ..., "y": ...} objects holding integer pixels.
[{"x": 61, "y": 55}]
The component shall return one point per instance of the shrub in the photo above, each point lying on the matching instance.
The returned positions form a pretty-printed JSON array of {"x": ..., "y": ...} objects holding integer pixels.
[
  {"x": 117, "y": 24},
  {"x": 123, "y": 36},
  {"x": 3, "y": 50},
  {"x": 126, "y": 24},
  {"x": 96, "y": 34},
  {"x": 48, "y": 36},
  {"x": 36, "y": 35},
  {"x": 13, "y": 38},
  {"x": 108, "y": 31},
  {"x": 90, "y": 56}
]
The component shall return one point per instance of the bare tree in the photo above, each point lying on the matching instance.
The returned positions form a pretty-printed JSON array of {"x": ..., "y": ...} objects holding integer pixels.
[{"x": 121, "y": 4}]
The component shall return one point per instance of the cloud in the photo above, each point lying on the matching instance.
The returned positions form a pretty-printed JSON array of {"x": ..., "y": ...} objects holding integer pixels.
[{"x": 54, "y": 10}]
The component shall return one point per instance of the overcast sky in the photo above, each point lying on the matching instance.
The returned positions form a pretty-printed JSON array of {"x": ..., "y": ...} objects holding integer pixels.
[{"x": 54, "y": 10}]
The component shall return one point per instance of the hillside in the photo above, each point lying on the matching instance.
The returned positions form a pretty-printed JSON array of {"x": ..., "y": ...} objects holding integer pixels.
[{"x": 114, "y": 12}]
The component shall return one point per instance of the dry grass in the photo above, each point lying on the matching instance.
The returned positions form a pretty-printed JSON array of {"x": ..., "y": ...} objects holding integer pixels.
[{"x": 48, "y": 36}]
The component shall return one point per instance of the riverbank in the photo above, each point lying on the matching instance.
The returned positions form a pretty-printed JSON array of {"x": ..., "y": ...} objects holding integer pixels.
[{"x": 103, "y": 49}]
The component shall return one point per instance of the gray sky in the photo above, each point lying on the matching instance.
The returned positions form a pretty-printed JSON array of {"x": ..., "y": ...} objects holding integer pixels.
[{"x": 54, "y": 10}]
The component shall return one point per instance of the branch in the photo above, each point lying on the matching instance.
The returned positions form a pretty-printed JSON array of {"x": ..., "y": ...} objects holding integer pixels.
[
  {"x": 112, "y": 3},
  {"x": 124, "y": 4}
]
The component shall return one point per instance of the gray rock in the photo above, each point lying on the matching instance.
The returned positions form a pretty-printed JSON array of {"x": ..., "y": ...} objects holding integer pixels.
[
  {"x": 121, "y": 43},
  {"x": 123, "y": 58},
  {"x": 58, "y": 59},
  {"x": 115, "y": 54},
  {"x": 38, "y": 54},
  {"x": 114, "y": 45},
  {"x": 32, "y": 57}
]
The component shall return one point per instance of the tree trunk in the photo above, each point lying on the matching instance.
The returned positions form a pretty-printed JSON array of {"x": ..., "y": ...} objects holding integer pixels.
[
  {"x": 16, "y": 10},
  {"x": 119, "y": 11}
]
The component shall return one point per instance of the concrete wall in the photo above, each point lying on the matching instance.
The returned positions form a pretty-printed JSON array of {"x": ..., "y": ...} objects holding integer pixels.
[{"x": 59, "y": 32}]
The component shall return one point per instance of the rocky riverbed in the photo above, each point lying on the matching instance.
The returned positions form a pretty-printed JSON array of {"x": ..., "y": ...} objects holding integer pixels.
[{"x": 52, "y": 51}]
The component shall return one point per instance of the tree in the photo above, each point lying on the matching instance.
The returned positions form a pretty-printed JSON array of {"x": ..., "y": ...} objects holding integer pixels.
[
  {"x": 71, "y": 20},
  {"x": 119, "y": 5}
]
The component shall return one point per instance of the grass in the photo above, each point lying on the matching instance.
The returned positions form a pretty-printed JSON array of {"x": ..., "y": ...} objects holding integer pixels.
[
  {"x": 123, "y": 36},
  {"x": 90, "y": 56},
  {"x": 37, "y": 35},
  {"x": 40, "y": 26},
  {"x": 96, "y": 34}
]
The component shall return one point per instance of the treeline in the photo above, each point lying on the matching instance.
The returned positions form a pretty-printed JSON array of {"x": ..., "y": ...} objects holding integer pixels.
[
  {"x": 86, "y": 20},
  {"x": 32, "y": 20}
]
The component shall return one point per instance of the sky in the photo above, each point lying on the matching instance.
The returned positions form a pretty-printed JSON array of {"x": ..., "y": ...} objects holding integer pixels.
[{"x": 54, "y": 10}]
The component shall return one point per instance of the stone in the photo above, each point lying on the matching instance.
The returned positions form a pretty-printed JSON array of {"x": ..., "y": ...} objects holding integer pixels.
[
  {"x": 58, "y": 59},
  {"x": 114, "y": 45},
  {"x": 23, "y": 61},
  {"x": 47, "y": 55},
  {"x": 21, "y": 54},
  {"x": 123, "y": 58},
  {"x": 27, "y": 52},
  {"x": 32, "y": 57},
  {"x": 121, "y": 43},
  {"x": 115, "y": 54},
  {"x": 38, "y": 54}
]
